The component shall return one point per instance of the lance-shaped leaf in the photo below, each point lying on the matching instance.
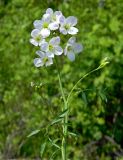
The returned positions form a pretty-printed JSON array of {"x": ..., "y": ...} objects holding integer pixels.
[
  {"x": 73, "y": 134},
  {"x": 54, "y": 142},
  {"x": 33, "y": 133},
  {"x": 43, "y": 146},
  {"x": 60, "y": 117}
]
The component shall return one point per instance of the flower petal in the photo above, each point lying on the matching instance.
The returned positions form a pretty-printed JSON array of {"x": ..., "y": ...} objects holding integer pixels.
[
  {"x": 63, "y": 30},
  {"x": 49, "y": 11},
  {"x": 58, "y": 50},
  {"x": 78, "y": 48},
  {"x": 71, "y": 56},
  {"x": 44, "y": 46},
  {"x": 53, "y": 26},
  {"x": 62, "y": 19},
  {"x": 49, "y": 54},
  {"x": 73, "y": 30},
  {"x": 72, "y": 40},
  {"x": 65, "y": 51},
  {"x": 38, "y": 62},
  {"x": 71, "y": 20},
  {"x": 34, "y": 42},
  {"x": 37, "y": 24},
  {"x": 35, "y": 32},
  {"x": 55, "y": 41},
  {"x": 49, "y": 62},
  {"x": 40, "y": 53},
  {"x": 45, "y": 32},
  {"x": 46, "y": 18},
  {"x": 41, "y": 42},
  {"x": 58, "y": 13}
]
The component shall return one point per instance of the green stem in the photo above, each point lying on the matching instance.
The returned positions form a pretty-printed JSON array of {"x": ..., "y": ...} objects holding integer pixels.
[
  {"x": 70, "y": 93},
  {"x": 65, "y": 119}
]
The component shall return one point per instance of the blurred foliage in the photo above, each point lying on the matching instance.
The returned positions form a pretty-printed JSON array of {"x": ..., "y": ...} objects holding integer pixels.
[{"x": 30, "y": 98}]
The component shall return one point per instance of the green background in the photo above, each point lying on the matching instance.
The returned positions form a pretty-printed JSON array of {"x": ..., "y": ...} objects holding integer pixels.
[{"x": 96, "y": 107}]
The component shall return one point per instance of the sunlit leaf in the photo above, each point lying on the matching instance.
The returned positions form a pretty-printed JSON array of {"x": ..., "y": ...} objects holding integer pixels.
[
  {"x": 84, "y": 98},
  {"x": 33, "y": 133},
  {"x": 54, "y": 143},
  {"x": 56, "y": 121},
  {"x": 73, "y": 134},
  {"x": 43, "y": 146},
  {"x": 62, "y": 115}
]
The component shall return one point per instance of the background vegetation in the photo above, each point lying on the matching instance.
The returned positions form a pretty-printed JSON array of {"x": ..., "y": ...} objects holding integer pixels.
[{"x": 96, "y": 112}]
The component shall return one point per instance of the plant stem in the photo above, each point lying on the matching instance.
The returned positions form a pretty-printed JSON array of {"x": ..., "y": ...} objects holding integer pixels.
[
  {"x": 83, "y": 77},
  {"x": 65, "y": 119}
]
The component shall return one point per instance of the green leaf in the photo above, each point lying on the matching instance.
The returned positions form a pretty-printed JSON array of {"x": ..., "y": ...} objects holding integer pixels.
[
  {"x": 73, "y": 134},
  {"x": 114, "y": 25},
  {"x": 43, "y": 146},
  {"x": 103, "y": 96},
  {"x": 33, "y": 133},
  {"x": 84, "y": 98},
  {"x": 52, "y": 156},
  {"x": 62, "y": 115},
  {"x": 56, "y": 121},
  {"x": 54, "y": 143}
]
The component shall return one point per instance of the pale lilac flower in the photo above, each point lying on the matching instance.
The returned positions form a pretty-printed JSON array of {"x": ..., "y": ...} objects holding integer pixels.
[
  {"x": 67, "y": 25},
  {"x": 54, "y": 18},
  {"x": 52, "y": 47},
  {"x": 43, "y": 26},
  {"x": 37, "y": 38},
  {"x": 43, "y": 60},
  {"x": 72, "y": 48}
]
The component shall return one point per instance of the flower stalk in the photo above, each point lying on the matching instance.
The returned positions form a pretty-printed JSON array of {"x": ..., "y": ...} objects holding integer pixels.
[{"x": 64, "y": 122}]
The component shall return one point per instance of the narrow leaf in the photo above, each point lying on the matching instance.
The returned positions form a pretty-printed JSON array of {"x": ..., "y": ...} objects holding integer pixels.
[
  {"x": 62, "y": 115},
  {"x": 43, "y": 146},
  {"x": 52, "y": 156},
  {"x": 33, "y": 133},
  {"x": 84, "y": 98},
  {"x": 73, "y": 134},
  {"x": 53, "y": 143},
  {"x": 56, "y": 121}
]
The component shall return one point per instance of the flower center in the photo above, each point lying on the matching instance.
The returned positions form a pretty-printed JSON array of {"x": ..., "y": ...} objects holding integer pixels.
[
  {"x": 45, "y": 59},
  {"x": 38, "y": 38},
  {"x": 69, "y": 48},
  {"x": 54, "y": 18},
  {"x": 45, "y": 25},
  {"x": 50, "y": 47},
  {"x": 67, "y": 26}
]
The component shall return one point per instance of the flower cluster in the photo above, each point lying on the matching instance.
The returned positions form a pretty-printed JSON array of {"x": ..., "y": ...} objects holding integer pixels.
[{"x": 54, "y": 23}]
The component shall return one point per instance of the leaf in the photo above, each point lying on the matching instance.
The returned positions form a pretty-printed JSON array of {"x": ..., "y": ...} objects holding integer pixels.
[
  {"x": 56, "y": 121},
  {"x": 103, "y": 96},
  {"x": 62, "y": 115},
  {"x": 33, "y": 133},
  {"x": 51, "y": 158},
  {"x": 54, "y": 143},
  {"x": 114, "y": 25},
  {"x": 73, "y": 134},
  {"x": 67, "y": 124},
  {"x": 43, "y": 146},
  {"x": 84, "y": 98}
]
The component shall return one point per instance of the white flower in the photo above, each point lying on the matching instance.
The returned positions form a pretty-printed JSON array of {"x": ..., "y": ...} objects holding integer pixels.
[
  {"x": 72, "y": 48},
  {"x": 52, "y": 47},
  {"x": 54, "y": 18},
  {"x": 67, "y": 25},
  {"x": 37, "y": 38},
  {"x": 43, "y": 26},
  {"x": 43, "y": 60}
]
